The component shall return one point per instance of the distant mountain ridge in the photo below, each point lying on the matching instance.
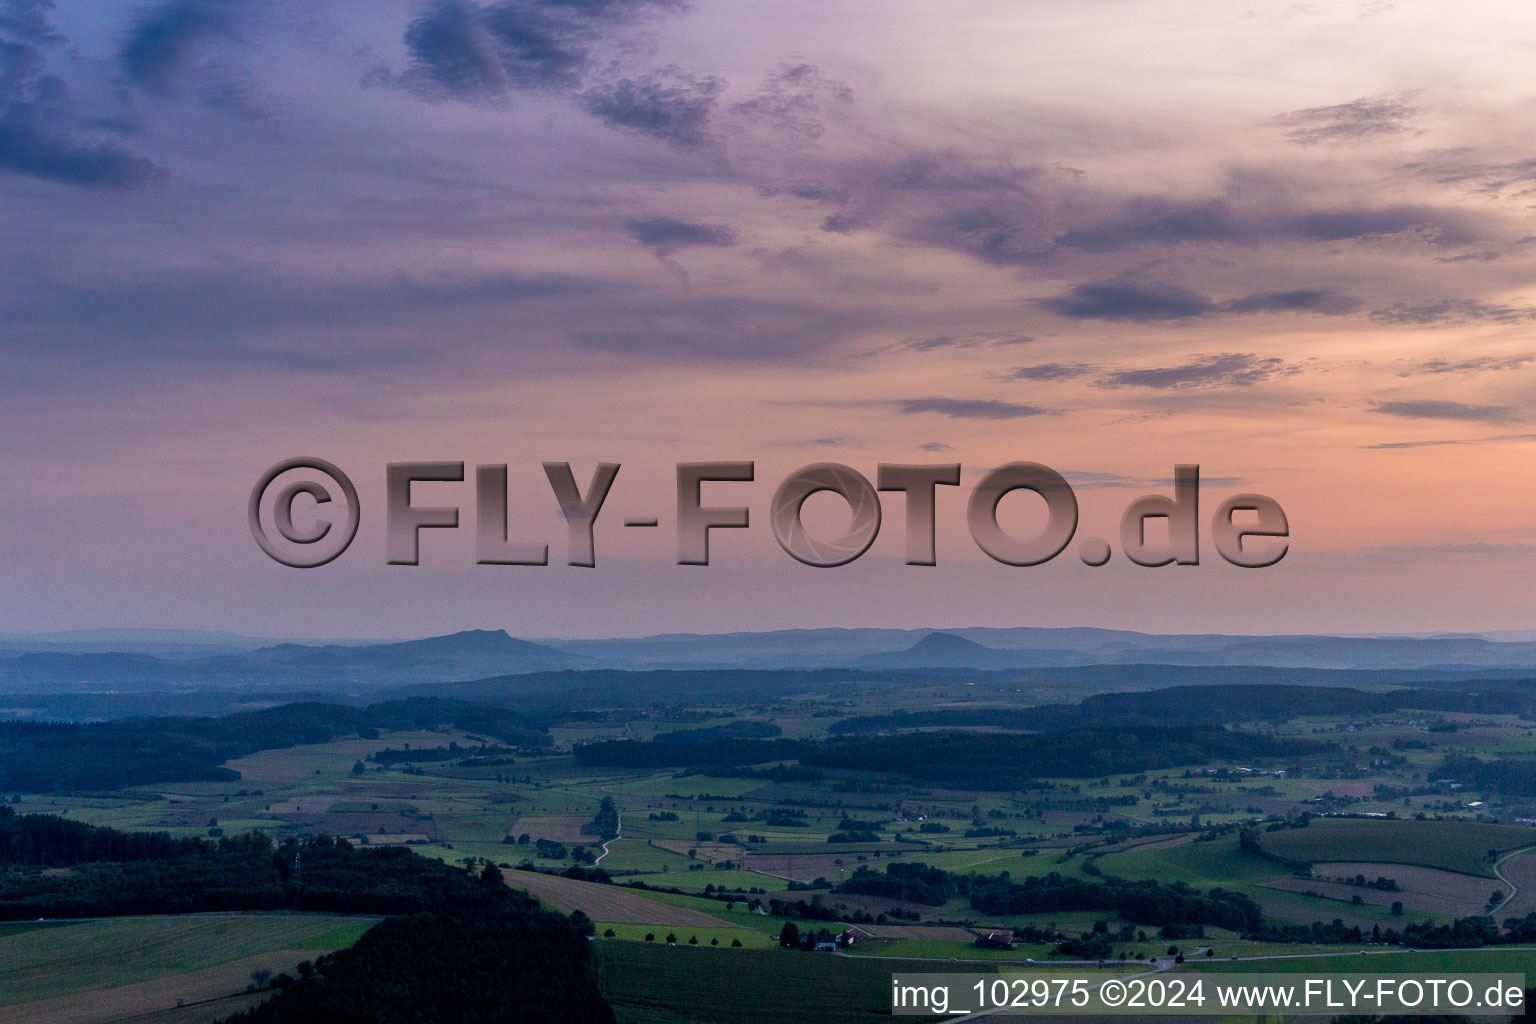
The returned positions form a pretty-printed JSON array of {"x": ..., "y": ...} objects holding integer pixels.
[
  {"x": 1033, "y": 646},
  {"x": 93, "y": 666},
  {"x": 472, "y": 654},
  {"x": 949, "y": 650}
]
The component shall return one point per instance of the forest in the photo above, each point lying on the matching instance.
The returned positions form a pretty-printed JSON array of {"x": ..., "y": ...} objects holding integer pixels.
[
  {"x": 1513, "y": 776},
  {"x": 456, "y": 947},
  {"x": 1194, "y": 705},
  {"x": 983, "y": 760},
  {"x": 482, "y": 964},
  {"x": 37, "y": 757}
]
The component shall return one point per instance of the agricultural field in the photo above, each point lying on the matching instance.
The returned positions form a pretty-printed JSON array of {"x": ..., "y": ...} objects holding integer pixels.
[
  {"x": 1520, "y": 871},
  {"x": 1442, "y": 892},
  {"x": 607, "y": 903},
  {"x": 1419, "y": 888},
  {"x": 1463, "y": 847},
  {"x": 706, "y": 845},
  {"x": 462, "y": 814},
  {"x": 102, "y": 969},
  {"x": 652, "y": 983}
]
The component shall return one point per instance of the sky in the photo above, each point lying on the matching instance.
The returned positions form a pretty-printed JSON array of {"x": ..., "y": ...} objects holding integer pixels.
[{"x": 1291, "y": 243}]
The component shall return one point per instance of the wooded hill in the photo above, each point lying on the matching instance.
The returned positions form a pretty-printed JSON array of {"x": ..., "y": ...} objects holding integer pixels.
[
  {"x": 39, "y": 757},
  {"x": 461, "y": 950},
  {"x": 980, "y": 759}
]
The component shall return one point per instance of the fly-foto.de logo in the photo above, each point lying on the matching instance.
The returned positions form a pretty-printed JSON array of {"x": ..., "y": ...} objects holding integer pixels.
[{"x": 1247, "y": 530}]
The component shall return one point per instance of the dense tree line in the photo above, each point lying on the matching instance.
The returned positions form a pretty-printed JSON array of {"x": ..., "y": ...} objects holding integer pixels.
[
  {"x": 1001, "y": 760},
  {"x": 747, "y": 729},
  {"x": 1513, "y": 776},
  {"x": 988, "y": 760},
  {"x": 246, "y": 872},
  {"x": 487, "y": 963},
  {"x": 605, "y": 824},
  {"x": 1178, "y": 909},
  {"x": 46, "y": 841},
  {"x": 39, "y": 757},
  {"x": 112, "y": 872},
  {"x": 800, "y": 909},
  {"x": 1192, "y": 705},
  {"x": 1463, "y": 933},
  {"x": 1248, "y": 841},
  {"x": 240, "y": 876},
  {"x": 455, "y": 948},
  {"x": 1144, "y": 902},
  {"x": 914, "y": 882},
  {"x": 483, "y": 754}
]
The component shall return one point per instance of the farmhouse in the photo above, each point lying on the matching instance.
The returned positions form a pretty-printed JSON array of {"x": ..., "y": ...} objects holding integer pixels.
[
  {"x": 825, "y": 941},
  {"x": 994, "y": 940}
]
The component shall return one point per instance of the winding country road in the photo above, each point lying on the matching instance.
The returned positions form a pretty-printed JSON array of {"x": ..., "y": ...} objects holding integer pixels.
[
  {"x": 618, "y": 828},
  {"x": 1514, "y": 890}
]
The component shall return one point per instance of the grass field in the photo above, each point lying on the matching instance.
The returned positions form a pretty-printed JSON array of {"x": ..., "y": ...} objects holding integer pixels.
[
  {"x": 634, "y": 854},
  {"x": 652, "y": 983},
  {"x": 1451, "y": 845},
  {"x": 1220, "y": 862},
  {"x": 46, "y": 960}
]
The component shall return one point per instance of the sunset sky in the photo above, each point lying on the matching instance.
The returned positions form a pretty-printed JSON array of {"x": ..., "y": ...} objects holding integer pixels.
[{"x": 1293, "y": 243}]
